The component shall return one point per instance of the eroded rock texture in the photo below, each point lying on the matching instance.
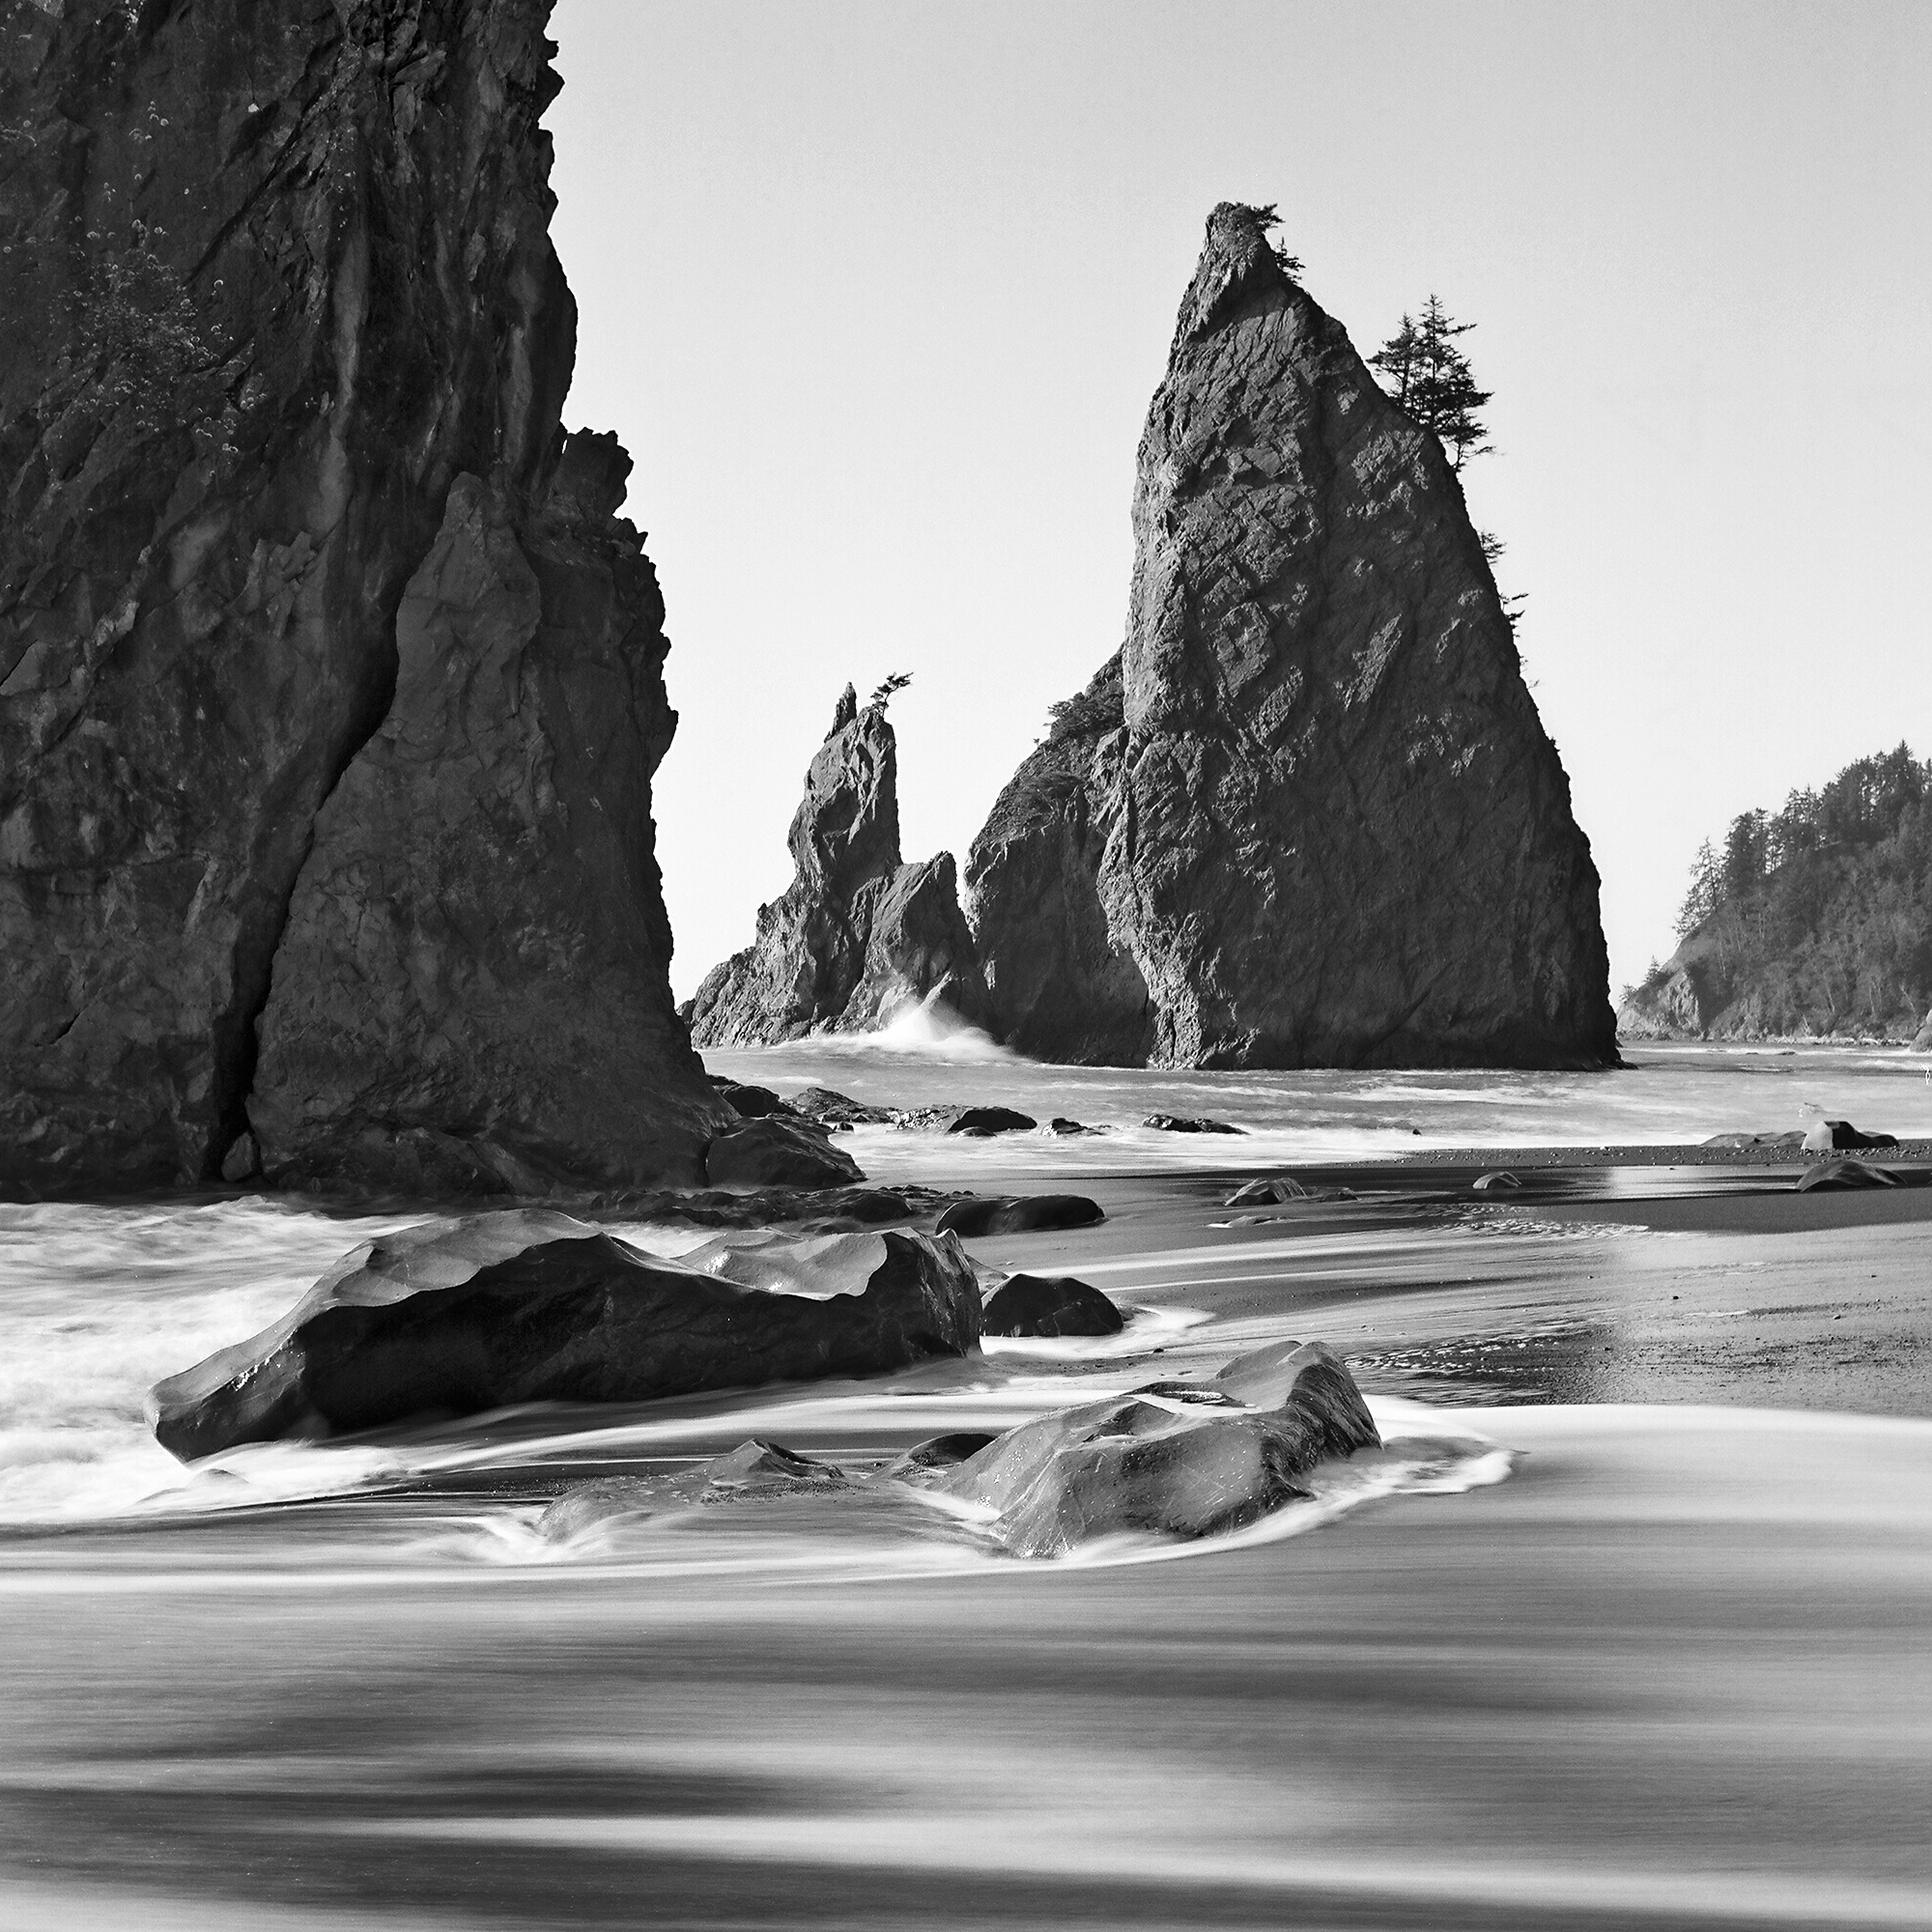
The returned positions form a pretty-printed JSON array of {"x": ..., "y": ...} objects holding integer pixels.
[
  {"x": 284, "y": 339},
  {"x": 1326, "y": 827},
  {"x": 857, "y": 935}
]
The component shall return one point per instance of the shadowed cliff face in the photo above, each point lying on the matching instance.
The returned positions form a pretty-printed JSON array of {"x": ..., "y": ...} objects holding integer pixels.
[
  {"x": 279, "y": 307},
  {"x": 1330, "y": 829},
  {"x": 857, "y": 935}
]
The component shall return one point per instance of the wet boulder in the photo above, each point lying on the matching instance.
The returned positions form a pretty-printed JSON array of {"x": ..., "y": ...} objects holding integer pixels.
[
  {"x": 833, "y": 1109},
  {"x": 749, "y": 1102},
  {"x": 1036, "y": 1305},
  {"x": 1180, "y": 1460},
  {"x": 1186, "y": 1124},
  {"x": 1837, "y": 1136},
  {"x": 1834, "y": 1177},
  {"x": 981, "y": 1121},
  {"x": 443, "y": 1321},
  {"x": 1485, "y": 1182},
  {"x": 937, "y": 1452},
  {"x": 1019, "y": 1214},
  {"x": 775, "y": 1152}
]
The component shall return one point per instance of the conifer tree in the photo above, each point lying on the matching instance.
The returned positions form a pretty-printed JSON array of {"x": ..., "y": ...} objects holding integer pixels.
[{"x": 1431, "y": 378}]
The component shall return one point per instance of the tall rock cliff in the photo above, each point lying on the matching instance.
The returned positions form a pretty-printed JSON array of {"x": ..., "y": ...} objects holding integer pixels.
[
  {"x": 305, "y": 600},
  {"x": 1328, "y": 827},
  {"x": 857, "y": 935}
]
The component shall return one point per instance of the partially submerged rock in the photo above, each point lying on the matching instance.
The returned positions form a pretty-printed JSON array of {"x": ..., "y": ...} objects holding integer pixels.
[
  {"x": 747, "y": 1101},
  {"x": 983, "y": 1122},
  {"x": 840, "y": 1110},
  {"x": 770, "y": 1150},
  {"x": 1029, "y": 1305},
  {"x": 859, "y": 935},
  {"x": 1187, "y": 1124},
  {"x": 1173, "y": 1458},
  {"x": 532, "y": 1306},
  {"x": 1019, "y": 1214}
]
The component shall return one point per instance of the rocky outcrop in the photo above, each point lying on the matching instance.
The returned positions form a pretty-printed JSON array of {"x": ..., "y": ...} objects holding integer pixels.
[
  {"x": 1326, "y": 827},
  {"x": 532, "y": 1306},
  {"x": 859, "y": 935},
  {"x": 331, "y": 682}
]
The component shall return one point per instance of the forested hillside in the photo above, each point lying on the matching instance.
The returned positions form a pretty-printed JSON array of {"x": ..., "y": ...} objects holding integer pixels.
[{"x": 1814, "y": 920}]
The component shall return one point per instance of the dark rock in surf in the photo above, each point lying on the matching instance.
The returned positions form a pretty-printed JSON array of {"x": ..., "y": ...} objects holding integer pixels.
[
  {"x": 1310, "y": 817},
  {"x": 774, "y": 1152},
  {"x": 859, "y": 935},
  {"x": 1183, "y": 1124},
  {"x": 1030, "y": 1305},
  {"x": 330, "y": 678},
  {"x": 980, "y": 1121},
  {"x": 1019, "y": 1214},
  {"x": 840, "y": 1110},
  {"x": 532, "y": 1306},
  {"x": 749, "y": 1103},
  {"x": 1175, "y": 1459}
]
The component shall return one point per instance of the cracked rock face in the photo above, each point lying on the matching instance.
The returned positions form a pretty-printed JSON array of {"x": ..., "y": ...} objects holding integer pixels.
[
  {"x": 859, "y": 935},
  {"x": 285, "y": 339},
  {"x": 1326, "y": 826}
]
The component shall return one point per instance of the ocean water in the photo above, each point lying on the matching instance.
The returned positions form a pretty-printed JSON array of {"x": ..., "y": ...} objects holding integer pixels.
[
  {"x": 1585, "y": 1664},
  {"x": 1666, "y": 1094}
]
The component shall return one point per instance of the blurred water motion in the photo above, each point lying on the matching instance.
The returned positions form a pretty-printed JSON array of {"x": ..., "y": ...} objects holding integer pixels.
[{"x": 1673, "y": 1671}]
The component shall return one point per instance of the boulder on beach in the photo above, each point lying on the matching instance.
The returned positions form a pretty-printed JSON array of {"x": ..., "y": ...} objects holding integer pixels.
[
  {"x": 1309, "y": 816},
  {"x": 770, "y": 1151},
  {"x": 1832, "y": 1176},
  {"x": 532, "y": 1306},
  {"x": 755, "y": 1470},
  {"x": 859, "y": 936},
  {"x": 1031, "y": 1304},
  {"x": 1173, "y": 1458},
  {"x": 1186, "y": 1124},
  {"x": 1019, "y": 1214},
  {"x": 1500, "y": 1180},
  {"x": 982, "y": 1122}
]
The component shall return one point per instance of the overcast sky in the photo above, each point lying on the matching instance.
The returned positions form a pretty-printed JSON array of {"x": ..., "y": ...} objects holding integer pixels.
[{"x": 877, "y": 294}]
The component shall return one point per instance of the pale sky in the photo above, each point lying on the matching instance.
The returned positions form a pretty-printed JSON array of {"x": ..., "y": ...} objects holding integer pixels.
[{"x": 876, "y": 295}]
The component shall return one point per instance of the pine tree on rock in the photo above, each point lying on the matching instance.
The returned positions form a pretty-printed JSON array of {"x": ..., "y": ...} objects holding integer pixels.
[{"x": 1431, "y": 378}]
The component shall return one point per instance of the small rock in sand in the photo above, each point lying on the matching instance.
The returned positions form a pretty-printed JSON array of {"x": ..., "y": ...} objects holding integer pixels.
[{"x": 1500, "y": 1180}]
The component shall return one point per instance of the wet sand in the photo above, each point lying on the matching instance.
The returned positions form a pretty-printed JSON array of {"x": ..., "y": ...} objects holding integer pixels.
[{"x": 1673, "y": 1672}]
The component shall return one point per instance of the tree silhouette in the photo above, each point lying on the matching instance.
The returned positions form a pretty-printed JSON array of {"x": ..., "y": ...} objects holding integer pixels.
[
  {"x": 1431, "y": 378},
  {"x": 883, "y": 696}
]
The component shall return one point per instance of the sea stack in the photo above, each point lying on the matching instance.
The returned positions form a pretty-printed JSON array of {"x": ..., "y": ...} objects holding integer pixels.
[
  {"x": 331, "y": 680},
  {"x": 859, "y": 936},
  {"x": 1312, "y": 819}
]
